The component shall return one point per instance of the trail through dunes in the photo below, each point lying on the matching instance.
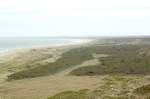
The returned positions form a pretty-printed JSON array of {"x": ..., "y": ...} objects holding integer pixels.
[{"x": 91, "y": 62}]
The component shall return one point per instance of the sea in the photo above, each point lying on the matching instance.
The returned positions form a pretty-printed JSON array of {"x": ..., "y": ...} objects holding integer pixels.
[{"x": 11, "y": 43}]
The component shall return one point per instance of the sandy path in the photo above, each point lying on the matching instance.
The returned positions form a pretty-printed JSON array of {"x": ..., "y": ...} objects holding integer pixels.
[
  {"x": 91, "y": 62},
  {"x": 18, "y": 59},
  {"x": 42, "y": 87}
]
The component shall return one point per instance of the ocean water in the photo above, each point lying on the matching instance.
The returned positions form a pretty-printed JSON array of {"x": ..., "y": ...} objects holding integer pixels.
[{"x": 7, "y": 44}]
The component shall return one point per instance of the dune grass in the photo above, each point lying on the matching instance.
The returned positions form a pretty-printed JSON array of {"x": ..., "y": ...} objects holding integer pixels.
[
  {"x": 68, "y": 59},
  {"x": 82, "y": 94},
  {"x": 112, "y": 87},
  {"x": 125, "y": 67},
  {"x": 124, "y": 59},
  {"x": 143, "y": 90},
  {"x": 25, "y": 59}
]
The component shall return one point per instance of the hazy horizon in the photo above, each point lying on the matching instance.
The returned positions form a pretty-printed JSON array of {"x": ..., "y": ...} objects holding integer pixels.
[{"x": 69, "y": 18}]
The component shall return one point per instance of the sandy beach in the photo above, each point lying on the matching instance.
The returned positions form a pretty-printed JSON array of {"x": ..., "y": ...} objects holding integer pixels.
[{"x": 70, "y": 42}]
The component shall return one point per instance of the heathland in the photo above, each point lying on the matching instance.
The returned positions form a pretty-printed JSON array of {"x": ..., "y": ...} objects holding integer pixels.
[{"x": 105, "y": 68}]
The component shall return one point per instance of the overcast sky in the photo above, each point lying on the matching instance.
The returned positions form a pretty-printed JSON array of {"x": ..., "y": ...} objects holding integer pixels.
[{"x": 74, "y": 17}]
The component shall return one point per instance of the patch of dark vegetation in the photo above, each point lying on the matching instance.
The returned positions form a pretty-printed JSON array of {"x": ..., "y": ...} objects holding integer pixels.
[
  {"x": 143, "y": 90},
  {"x": 116, "y": 65},
  {"x": 124, "y": 59},
  {"x": 82, "y": 94}
]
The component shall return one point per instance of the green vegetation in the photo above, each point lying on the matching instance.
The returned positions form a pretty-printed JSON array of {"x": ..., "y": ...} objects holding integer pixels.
[
  {"x": 70, "y": 58},
  {"x": 125, "y": 58},
  {"x": 143, "y": 90},
  {"x": 123, "y": 66},
  {"x": 25, "y": 60},
  {"x": 82, "y": 94},
  {"x": 112, "y": 87}
]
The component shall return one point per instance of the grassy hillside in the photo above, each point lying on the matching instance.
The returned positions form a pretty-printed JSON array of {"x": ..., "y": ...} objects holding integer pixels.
[
  {"x": 113, "y": 87},
  {"x": 123, "y": 58},
  {"x": 68, "y": 59},
  {"x": 128, "y": 60},
  {"x": 82, "y": 94},
  {"x": 111, "y": 68}
]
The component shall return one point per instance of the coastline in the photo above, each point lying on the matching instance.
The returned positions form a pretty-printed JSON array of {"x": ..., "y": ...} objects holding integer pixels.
[
  {"x": 84, "y": 68},
  {"x": 20, "y": 57},
  {"x": 73, "y": 42}
]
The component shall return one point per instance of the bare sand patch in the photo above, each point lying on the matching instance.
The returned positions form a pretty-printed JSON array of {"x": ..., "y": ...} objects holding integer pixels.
[
  {"x": 100, "y": 55},
  {"x": 43, "y": 87}
]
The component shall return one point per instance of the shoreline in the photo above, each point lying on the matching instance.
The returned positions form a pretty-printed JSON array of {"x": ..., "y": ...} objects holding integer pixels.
[
  {"x": 21, "y": 55},
  {"x": 73, "y": 42}
]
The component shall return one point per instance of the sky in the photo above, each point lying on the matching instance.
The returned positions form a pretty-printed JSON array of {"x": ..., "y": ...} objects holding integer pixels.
[{"x": 74, "y": 17}]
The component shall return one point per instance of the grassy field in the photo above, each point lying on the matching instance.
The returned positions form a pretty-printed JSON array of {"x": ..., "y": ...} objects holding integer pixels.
[
  {"x": 112, "y": 87},
  {"x": 120, "y": 70},
  {"x": 123, "y": 59},
  {"x": 68, "y": 59}
]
